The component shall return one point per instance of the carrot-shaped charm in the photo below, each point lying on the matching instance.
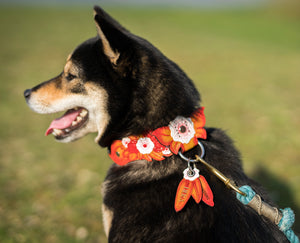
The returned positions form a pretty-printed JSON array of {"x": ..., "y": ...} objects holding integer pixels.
[
  {"x": 183, "y": 194},
  {"x": 195, "y": 185},
  {"x": 197, "y": 190},
  {"x": 208, "y": 196}
]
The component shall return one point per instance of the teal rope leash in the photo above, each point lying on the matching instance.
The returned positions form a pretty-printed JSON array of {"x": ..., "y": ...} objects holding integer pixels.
[{"x": 283, "y": 219}]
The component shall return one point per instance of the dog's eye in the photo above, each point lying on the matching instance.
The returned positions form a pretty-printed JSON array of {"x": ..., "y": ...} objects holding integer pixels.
[{"x": 70, "y": 76}]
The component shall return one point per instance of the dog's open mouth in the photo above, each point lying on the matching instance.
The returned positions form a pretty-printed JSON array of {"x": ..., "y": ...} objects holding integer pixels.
[{"x": 72, "y": 120}]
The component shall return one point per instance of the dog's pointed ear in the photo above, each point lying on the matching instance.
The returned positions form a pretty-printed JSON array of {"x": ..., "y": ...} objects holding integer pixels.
[{"x": 111, "y": 33}]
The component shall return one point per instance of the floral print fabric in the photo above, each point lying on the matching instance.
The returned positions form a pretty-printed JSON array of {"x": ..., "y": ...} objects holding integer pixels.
[{"x": 181, "y": 134}]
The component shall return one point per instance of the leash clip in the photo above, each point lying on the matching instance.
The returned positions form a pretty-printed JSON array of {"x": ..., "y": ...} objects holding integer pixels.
[{"x": 221, "y": 176}]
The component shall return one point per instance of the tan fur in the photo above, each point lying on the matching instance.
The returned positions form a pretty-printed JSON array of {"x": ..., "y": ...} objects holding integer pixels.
[
  {"x": 49, "y": 93},
  {"x": 107, "y": 214},
  {"x": 107, "y": 218},
  {"x": 69, "y": 57},
  {"x": 70, "y": 68}
]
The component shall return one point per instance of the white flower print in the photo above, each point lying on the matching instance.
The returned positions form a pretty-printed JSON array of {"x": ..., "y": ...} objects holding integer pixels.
[
  {"x": 125, "y": 141},
  {"x": 182, "y": 129},
  {"x": 166, "y": 151},
  {"x": 145, "y": 145}
]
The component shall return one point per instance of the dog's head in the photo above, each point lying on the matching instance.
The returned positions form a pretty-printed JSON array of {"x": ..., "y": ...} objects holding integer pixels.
[{"x": 116, "y": 84}]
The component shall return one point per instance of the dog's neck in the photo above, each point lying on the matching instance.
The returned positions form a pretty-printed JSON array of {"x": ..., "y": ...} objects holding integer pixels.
[{"x": 181, "y": 134}]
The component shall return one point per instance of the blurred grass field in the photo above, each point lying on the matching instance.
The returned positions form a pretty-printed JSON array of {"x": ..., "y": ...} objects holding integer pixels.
[{"x": 245, "y": 63}]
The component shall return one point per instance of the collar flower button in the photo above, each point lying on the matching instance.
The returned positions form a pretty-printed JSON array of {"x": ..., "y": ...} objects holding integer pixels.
[
  {"x": 166, "y": 151},
  {"x": 182, "y": 129},
  {"x": 145, "y": 145},
  {"x": 183, "y": 133},
  {"x": 126, "y": 141}
]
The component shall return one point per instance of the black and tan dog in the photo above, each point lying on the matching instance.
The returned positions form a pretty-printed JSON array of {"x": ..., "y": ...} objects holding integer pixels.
[{"x": 118, "y": 85}]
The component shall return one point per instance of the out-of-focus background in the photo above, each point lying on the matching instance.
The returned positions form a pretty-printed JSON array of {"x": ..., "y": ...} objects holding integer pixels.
[{"x": 244, "y": 57}]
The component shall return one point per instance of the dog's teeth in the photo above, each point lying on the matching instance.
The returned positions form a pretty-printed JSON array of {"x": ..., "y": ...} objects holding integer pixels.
[
  {"x": 74, "y": 123},
  {"x": 67, "y": 130},
  {"x": 56, "y": 132},
  {"x": 79, "y": 119},
  {"x": 83, "y": 113}
]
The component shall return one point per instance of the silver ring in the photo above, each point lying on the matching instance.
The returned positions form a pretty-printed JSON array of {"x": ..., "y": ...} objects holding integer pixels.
[{"x": 193, "y": 160}]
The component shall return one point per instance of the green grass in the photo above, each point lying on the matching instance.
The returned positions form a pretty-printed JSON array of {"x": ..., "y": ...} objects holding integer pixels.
[{"x": 245, "y": 64}]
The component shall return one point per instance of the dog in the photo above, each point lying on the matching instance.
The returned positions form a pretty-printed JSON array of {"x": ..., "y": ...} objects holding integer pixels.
[{"x": 120, "y": 86}]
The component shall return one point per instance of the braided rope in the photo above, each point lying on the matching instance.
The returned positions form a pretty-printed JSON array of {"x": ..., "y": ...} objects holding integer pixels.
[{"x": 286, "y": 221}]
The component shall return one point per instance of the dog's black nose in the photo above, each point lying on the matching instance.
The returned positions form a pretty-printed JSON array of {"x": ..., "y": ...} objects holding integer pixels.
[{"x": 27, "y": 93}]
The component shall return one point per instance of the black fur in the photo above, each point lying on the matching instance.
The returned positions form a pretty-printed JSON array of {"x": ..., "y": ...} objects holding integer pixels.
[{"x": 146, "y": 91}]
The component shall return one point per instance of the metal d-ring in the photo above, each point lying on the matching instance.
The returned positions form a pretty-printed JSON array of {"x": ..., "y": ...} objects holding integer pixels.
[{"x": 193, "y": 160}]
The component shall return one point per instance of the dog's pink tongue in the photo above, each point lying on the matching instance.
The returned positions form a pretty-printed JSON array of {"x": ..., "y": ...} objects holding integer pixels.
[{"x": 64, "y": 121}]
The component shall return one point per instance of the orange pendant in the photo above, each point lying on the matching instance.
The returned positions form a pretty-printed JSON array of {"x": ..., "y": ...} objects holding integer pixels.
[{"x": 194, "y": 185}]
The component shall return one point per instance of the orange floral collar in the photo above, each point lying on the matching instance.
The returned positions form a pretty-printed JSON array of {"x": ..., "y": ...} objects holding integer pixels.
[{"x": 181, "y": 133}]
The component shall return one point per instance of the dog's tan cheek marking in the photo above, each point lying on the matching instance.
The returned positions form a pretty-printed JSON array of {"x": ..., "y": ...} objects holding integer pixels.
[{"x": 107, "y": 218}]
